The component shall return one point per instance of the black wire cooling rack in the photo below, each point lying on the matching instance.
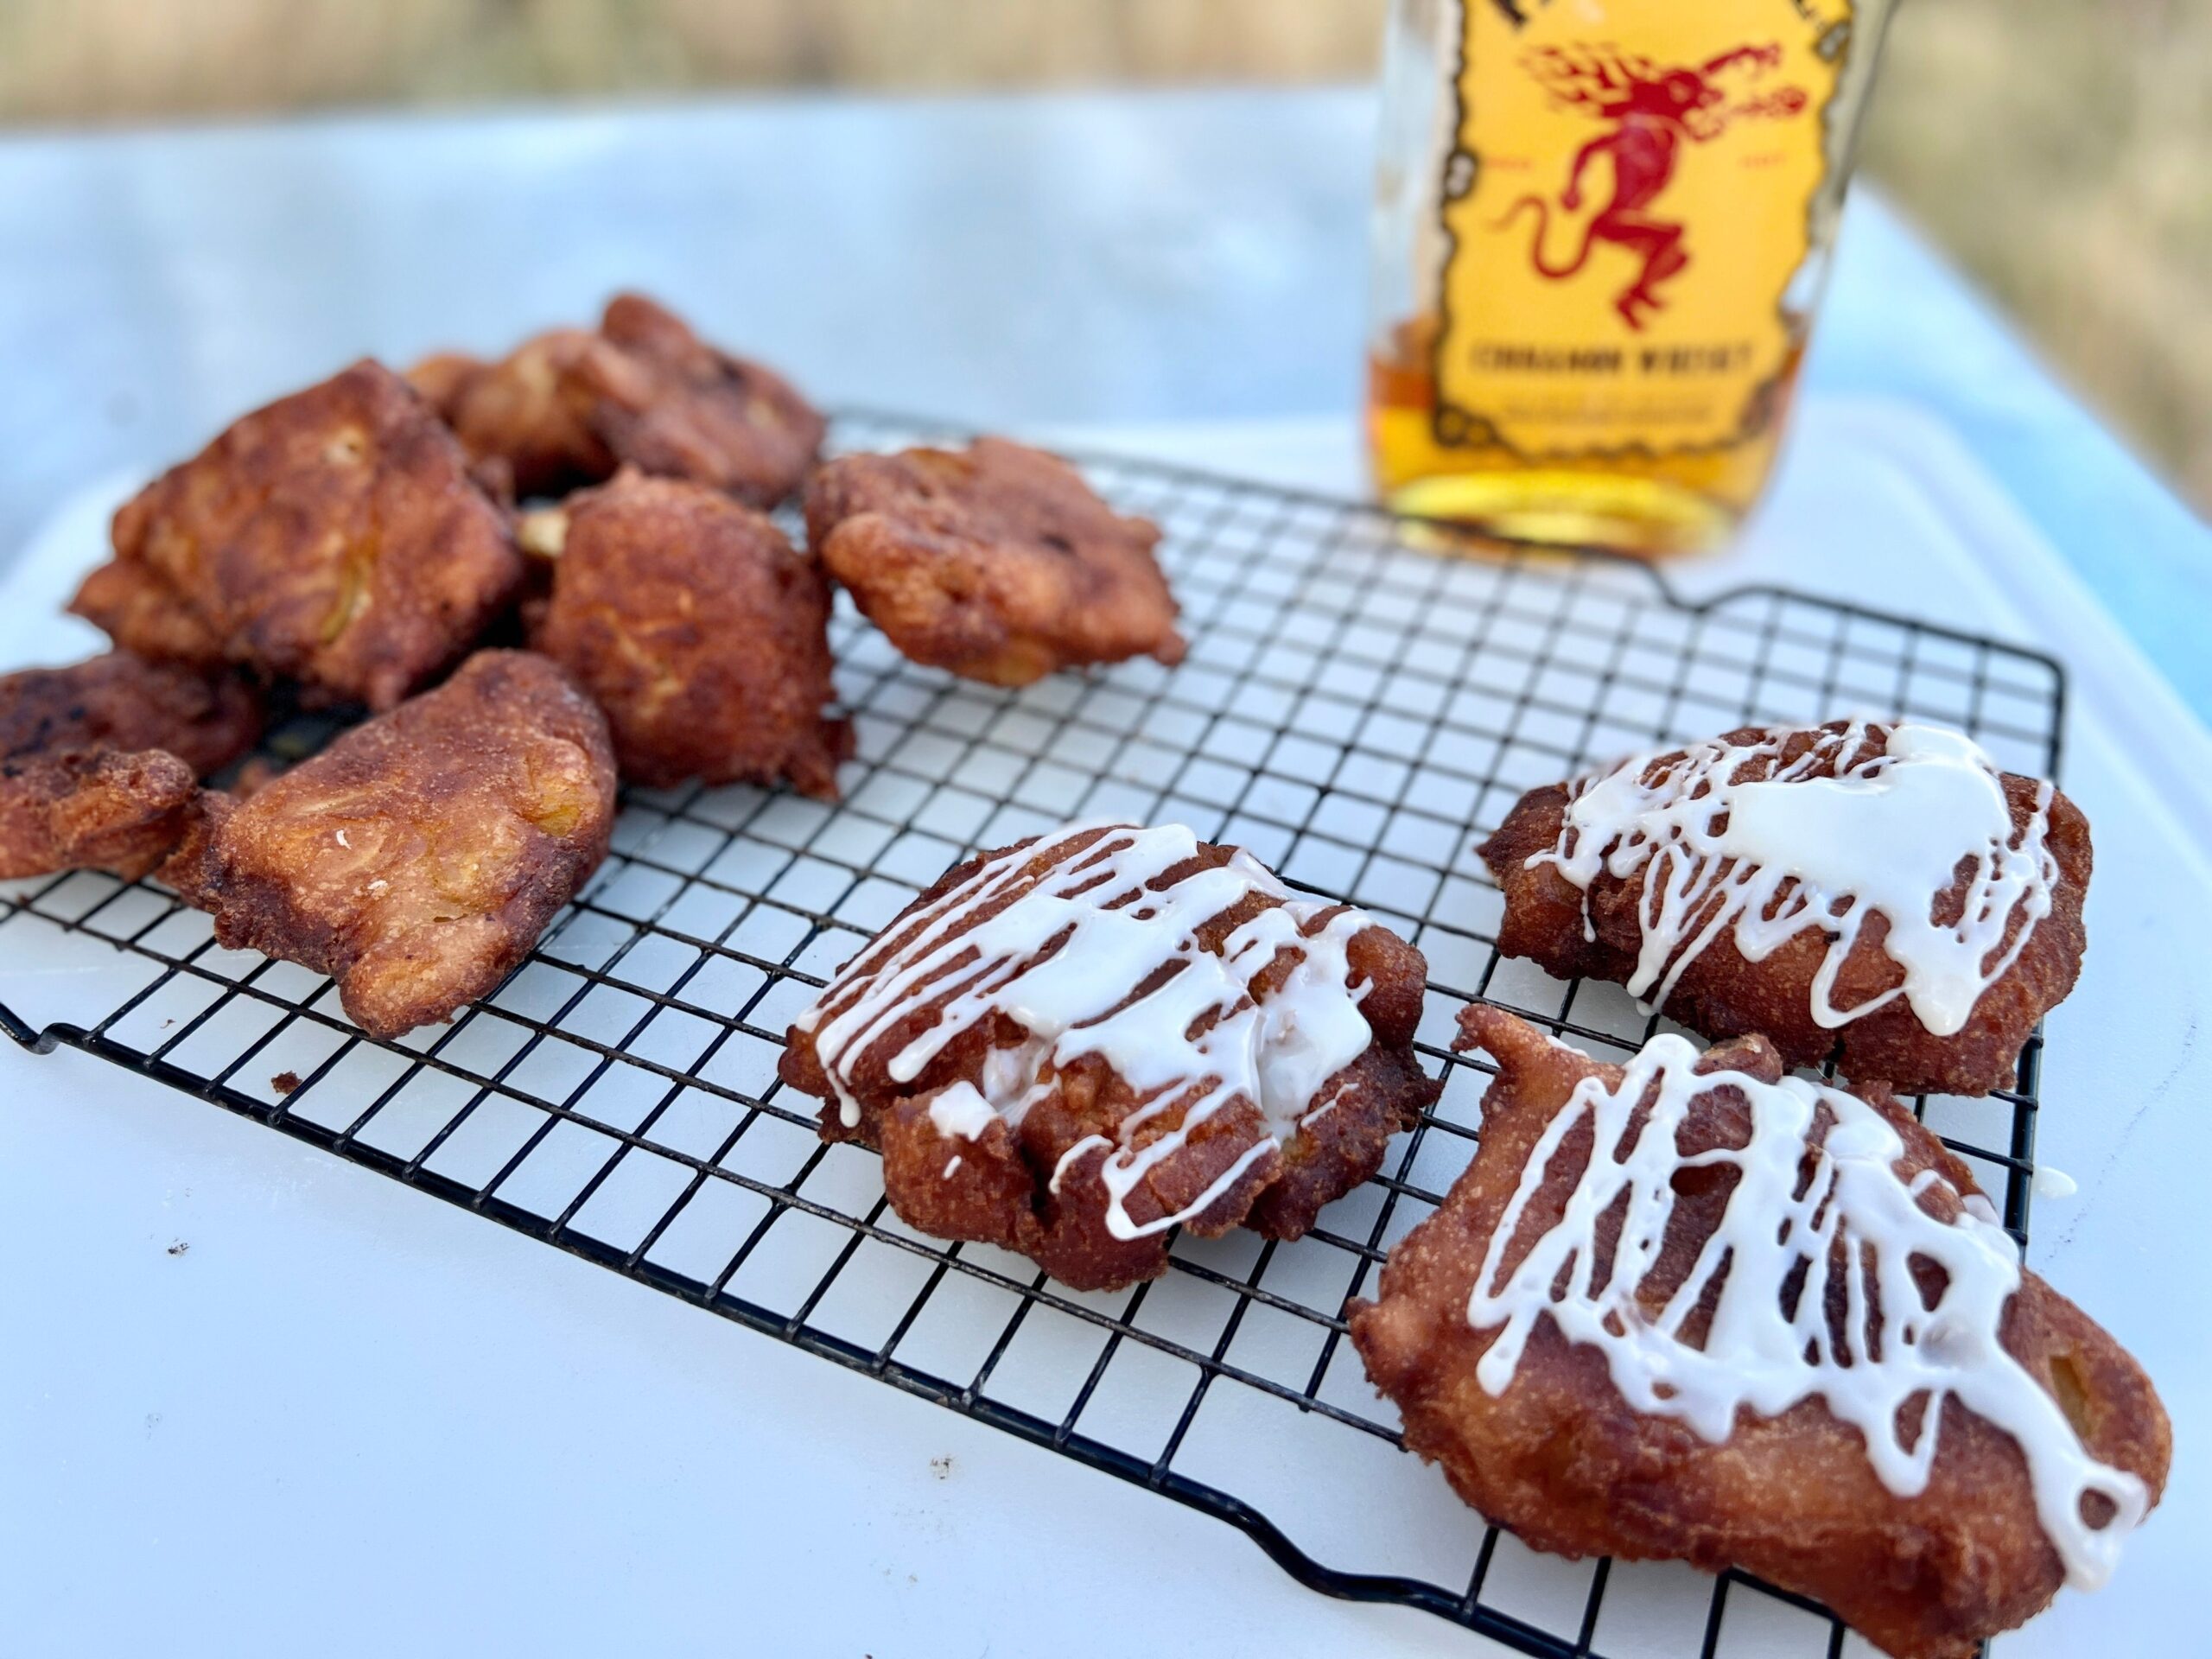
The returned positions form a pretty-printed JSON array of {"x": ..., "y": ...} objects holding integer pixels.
[{"x": 1356, "y": 709}]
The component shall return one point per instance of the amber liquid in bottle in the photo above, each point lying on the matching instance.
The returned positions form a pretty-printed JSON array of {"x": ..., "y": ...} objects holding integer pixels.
[
  {"x": 1600, "y": 230},
  {"x": 1649, "y": 505}
]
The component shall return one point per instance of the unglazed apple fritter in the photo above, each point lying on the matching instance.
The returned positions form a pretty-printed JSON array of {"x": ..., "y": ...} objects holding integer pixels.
[
  {"x": 1687, "y": 1308},
  {"x": 568, "y": 407},
  {"x": 996, "y": 561},
  {"x": 333, "y": 538},
  {"x": 418, "y": 858},
  {"x": 701, "y": 631},
  {"x": 440, "y": 378},
  {"x": 1075, "y": 1044},
  {"x": 525, "y": 413},
  {"x": 80, "y": 784},
  {"x": 1878, "y": 895},
  {"x": 120, "y": 700},
  {"x": 93, "y": 810}
]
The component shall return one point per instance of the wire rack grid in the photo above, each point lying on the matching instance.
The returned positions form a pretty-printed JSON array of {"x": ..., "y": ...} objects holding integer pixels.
[{"x": 1355, "y": 709}]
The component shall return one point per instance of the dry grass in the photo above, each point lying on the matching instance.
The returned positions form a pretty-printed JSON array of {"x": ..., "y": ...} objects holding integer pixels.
[
  {"x": 2061, "y": 151},
  {"x": 79, "y": 59}
]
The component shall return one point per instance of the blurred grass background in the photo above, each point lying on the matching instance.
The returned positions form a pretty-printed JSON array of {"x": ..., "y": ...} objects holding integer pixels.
[{"x": 2060, "y": 150}]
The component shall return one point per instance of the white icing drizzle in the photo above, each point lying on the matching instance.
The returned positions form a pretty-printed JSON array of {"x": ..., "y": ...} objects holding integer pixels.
[
  {"x": 1886, "y": 833},
  {"x": 2051, "y": 1183},
  {"x": 1113, "y": 933},
  {"x": 961, "y": 1110},
  {"x": 1761, "y": 1352}
]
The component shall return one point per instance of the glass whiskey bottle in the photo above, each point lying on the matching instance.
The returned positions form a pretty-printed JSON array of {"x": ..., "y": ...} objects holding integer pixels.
[{"x": 1599, "y": 235}]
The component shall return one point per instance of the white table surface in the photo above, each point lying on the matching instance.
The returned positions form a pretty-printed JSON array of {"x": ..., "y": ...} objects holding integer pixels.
[{"x": 348, "y": 1420}]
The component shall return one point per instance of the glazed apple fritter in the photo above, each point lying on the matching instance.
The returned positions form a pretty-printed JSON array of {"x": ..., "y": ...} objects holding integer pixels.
[
  {"x": 1073, "y": 1044},
  {"x": 1654, "y": 911},
  {"x": 568, "y": 407},
  {"x": 996, "y": 561},
  {"x": 418, "y": 857},
  {"x": 99, "y": 759},
  {"x": 1723, "y": 1178},
  {"x": 701, "y": 630},
  {"x": 333, "y": 538}
]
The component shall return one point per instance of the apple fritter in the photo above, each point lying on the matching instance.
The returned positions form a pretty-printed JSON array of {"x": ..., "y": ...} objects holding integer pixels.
[
  {"x": 120, "y": 700},
  {"x": 528, "y": 412},
  {"x": 1074, "y": 1044},
  {"x": 418, "y": 857},
  {"x": 333, "y": 538},
  {"x": 1877, "y": 894},
  {"x": 98, "y": 760},
  {"x": 440, "y": 378},
  {"x": 997, "y": 562},
  {"x": 567, "y": 408},
  {"x": 701, "y": 631},
  {"x": 92, "y": 810},
  {"x": 1687, "y": 1308}
]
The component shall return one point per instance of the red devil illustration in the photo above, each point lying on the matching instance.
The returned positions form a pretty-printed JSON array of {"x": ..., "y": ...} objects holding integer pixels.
[{"x": 1649, "y": 110}]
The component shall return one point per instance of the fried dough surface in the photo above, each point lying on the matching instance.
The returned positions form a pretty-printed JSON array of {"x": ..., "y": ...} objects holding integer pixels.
[
  {"x": 997, "y": 562},
  {"x": 418, "y": 857},
  {"x": 701, "y": 631},
  {"x": 440, "y": 378},
  {"x": 1562, "y": 1457},
  {"x": 92, "y": 810},
  {"x": 99, "y": 759},
  {"x": 1038, "y": 1180},
  {"x": 1723, "y": 993},
  {"x": 121, "y": 701},
  {"x": 333, "y": 538},
  {"x": 567, "y": 408}
]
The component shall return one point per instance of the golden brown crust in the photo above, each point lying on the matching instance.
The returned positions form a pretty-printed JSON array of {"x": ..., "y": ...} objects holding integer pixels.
[
  {"x": 996, "y": 561},
  {"x": 92, "y": 810},
  {"x": 418, "y": 857},
  {"x": 1002, "y": 1190},
  {"x": 440, "y": 378},
  {"x": 1559, "y": 1457},
  {"x": 1721, "y": 994},
  {"x": 568, "y": 407},
  {"x": 701, "y": 630},
  {"x": 121, "y": 701},
  {"x": 98, "y": 759},
  {"x": 333, "y": 538},
  {"x": 528, "y": 411}
]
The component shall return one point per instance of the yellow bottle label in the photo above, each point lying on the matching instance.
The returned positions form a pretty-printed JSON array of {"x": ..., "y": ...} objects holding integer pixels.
[{"x": 1629, "y": 199}]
